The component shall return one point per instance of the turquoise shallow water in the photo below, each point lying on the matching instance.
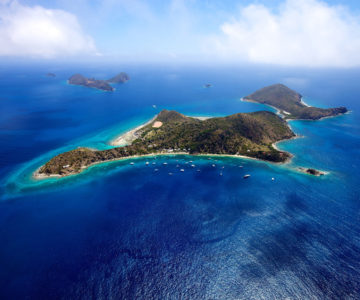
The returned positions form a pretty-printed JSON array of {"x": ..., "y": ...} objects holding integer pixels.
[{"x": 127, "y": 231}]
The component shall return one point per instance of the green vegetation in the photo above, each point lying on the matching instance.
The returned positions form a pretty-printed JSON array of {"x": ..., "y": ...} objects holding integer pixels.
[
  {"x": 289, "y": 103},
  {"x": 249, "y": 134}
]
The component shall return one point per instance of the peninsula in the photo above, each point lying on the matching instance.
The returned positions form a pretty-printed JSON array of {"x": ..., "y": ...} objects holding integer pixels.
[
  {"x": 78, "y": 79},
  {"x": 289, "y": 103},
  {"x": 246, "y": 134}
]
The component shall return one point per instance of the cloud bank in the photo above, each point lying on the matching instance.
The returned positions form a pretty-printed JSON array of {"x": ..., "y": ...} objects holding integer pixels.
[
  {"x": 39, "y": 32},
  {"x": 300, "y": 33}
]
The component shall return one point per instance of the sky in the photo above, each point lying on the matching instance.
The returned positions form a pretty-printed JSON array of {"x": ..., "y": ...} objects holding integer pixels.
[{"x": 300, "y": 33}]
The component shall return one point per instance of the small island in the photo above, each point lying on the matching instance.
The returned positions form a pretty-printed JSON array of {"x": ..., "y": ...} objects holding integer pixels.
[
  {"x": 243, "y": 134},
  {"x": 51, "y": 75},
  {"x": 78, "y": 79},
  {"x": 120, "y": 78},
  {"x": 289, "y": 103},
  {"x": 311, "y": 171}
]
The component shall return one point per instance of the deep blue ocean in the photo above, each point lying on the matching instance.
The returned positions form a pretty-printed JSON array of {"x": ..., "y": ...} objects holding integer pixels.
[{"x": 121, "y": 231}]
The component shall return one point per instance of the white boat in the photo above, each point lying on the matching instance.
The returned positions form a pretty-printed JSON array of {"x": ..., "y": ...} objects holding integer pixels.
[
  {"x": 164, "y": 163},
  {"x": 182, "y": 170},
  {"x": 147, "y": 163},
  {"x": 247, "y": 176},
  {"x": 156, "y": 170},
  {"x": 131, "y": 163},
  {"x": 214, "y": 166},
  {"x": 170, "y": 174},
  {"x": 193, "y": 166},
  {"x": 198, "y": 170},
  {"x": 273, "y": 179},
  {"x": 220, "y": 174}
]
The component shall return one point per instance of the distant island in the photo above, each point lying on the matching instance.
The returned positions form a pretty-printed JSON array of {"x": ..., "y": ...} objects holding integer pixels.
[
  {"x": 120, "y": 78},
  {"x": 51, "y": 75},
  {"x": 243, "y": 134},
  {"x": 290, "y": 103},
  {"x": 78, "y": 79}
]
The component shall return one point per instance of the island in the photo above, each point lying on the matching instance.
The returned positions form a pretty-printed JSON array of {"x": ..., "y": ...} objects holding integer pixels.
[
  {"x": 289, "y": 103},
  {"x": 251, "y": 135},
  {"x": 120, "y": 78},
  {"x": 311, "y": 171},
  {"x": 78, "y": 79},
  {"x": 51, "y": 75},
  {"x": 243, "y": 134}
]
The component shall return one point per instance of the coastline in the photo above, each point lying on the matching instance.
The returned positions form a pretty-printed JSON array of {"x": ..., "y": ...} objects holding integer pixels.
[
  {"x": 278, "y": 112},
  {"x": 130, "y": 136},
  {"x": 304, "y": 103},
  {"x": 38, "y": 176}
]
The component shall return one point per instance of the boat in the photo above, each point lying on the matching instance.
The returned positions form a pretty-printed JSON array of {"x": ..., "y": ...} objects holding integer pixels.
[
  {"x": 193, "y": 166},
  {"x": 170, "y": 174},
  {"x": 164, "y": 163},
  {"x": 147, "y": 163},
  {"x": 273, "y": 179},
  {"x": 198, "y": 170},
  {"x": 156, "y": 170},
  {"x": 247, "y": 176},
  {"x": 221, "y": 174},
  {"x": 131, "y": 163},
  {"x": 182, "y": 170},
  {"x": 213, "y": 166}
]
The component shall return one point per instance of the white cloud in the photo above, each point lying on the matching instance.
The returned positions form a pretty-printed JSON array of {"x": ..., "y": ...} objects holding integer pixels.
[
  {"x": 39, "y": 32},
  {"x": 300, "y": 33}
]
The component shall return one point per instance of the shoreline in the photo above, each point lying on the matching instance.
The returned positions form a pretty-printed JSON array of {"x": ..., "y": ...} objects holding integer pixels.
[
  {"x": 129, "y": 136},
  {"x": 304, "y": 103},
  {"x": 278, "y": 112},
  {"x": 38, "y": 176}
]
